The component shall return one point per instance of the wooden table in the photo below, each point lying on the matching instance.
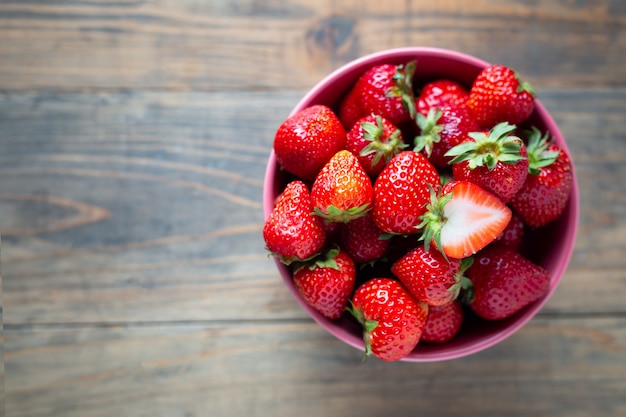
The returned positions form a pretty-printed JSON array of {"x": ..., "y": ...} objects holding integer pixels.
[{"x": 133, "y": 143}]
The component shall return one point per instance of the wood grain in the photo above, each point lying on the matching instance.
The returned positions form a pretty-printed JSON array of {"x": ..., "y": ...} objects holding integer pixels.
[
  {"x": 200, "y": 45},
  {"x": 181, "y": 237},
  {"x": 133, "y": 141},
  {"x": 565, "y": 367}
]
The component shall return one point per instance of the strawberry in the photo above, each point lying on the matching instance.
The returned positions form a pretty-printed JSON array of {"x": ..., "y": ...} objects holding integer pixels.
[
  {"x": 291, "y": 231},
  {"x": 349, "y": 110},
  {"x": 430, "y": 277},
  {"x": 442, "y": 92},
  {"x": 363, "y": 240},
  {"x": 342, "y": 191},
  {"x": 306, "y": 141},
  {"x": 547, "y": 188},
  {"x": 374, "y": 141},
  {"x": 463, "y": 219},
  {"x": 387, "y": 90},
  {"x": 327, "y": 283},
  {"x": 401, "y": 192},
  {"x": 443, "y": 322},
  {"x": 497, "y": 161},
  {"x": 392, "y": 320},
  {"x": 498, "y": 95},
  {"x": 441, "y": 129},
  {"x": 504, "y": 282},
  {"x": 513, "y": 234}
]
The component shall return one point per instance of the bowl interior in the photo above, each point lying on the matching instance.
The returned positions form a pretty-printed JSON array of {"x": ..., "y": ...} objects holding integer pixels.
[{"x": 550, "y": 247}]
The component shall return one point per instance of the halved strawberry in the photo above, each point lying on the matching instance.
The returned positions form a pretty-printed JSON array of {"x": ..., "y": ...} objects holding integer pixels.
[{"x": 463, "y": 219}]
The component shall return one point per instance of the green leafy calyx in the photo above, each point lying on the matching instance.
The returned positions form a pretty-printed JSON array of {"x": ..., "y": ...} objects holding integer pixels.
[
  {"x": 538, "y": 154},
  {"x": 487, "y": 149}
]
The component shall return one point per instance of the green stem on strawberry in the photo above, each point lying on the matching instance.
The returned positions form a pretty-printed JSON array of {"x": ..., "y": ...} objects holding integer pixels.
[
  {"x": 335, "y": 214},
  {"x": 368, "y": 327},
  {"x": 429, "y": 131},
  {"x": 462, "y": 283},
  {"x": 373, "y": 133},
  {"x": 538, "y": 154},
  {"x": 403, "y": 79},
  {"x": 487, "y": 149},
  {"x": 433, "y": 220}
]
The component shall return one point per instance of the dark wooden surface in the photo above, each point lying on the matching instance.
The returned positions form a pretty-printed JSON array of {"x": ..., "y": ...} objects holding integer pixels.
[{"x": 133, "y": 142}]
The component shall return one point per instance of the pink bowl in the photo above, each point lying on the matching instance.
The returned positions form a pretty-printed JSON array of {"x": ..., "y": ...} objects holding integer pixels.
[{"x": 550, "y": 247}]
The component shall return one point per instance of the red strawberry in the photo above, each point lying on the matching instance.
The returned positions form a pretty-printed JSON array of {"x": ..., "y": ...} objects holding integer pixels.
[
  {"x": 363, "y": 240},
  {"x": 498, "y": 95},
  {"x": 387, "y": 90},
  {"x": 497, "y": 161},
  {"x": 392, "y": 320},
  {"x": 545, "y": 193},
  {"x": 327, "y": 283},
  {"x": 504, "y": 282},
  {"x": 440, "y": 93},
  {"x": 441, "y": 129},
  {"x": 306, "y": 141},
  {"x": 513, "y": 235},
  {"x": 349, "y": 110},
  {"x": 430, "y": 277},
  {"x": 401, "y": 192},
  {"x": 291, "y": 231},
  {"x": 443, "y": 322},
  {"x": 463, "y": 219},
  {"x": 342, "y": 191},
  {"x": 374, "y": 141}
]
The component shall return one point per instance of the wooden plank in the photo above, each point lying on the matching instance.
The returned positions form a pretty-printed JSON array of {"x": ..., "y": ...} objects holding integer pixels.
[
  {"x": 134, "y": 207},
  {"x": 191, "y": 44},
  {"x": 557, "y": 367}
]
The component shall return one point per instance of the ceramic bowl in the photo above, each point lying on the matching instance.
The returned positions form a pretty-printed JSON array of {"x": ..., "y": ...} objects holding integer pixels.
[{"x": 550, "y": 247}]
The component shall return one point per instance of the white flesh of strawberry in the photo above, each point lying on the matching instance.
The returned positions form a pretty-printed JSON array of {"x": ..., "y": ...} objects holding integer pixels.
[{"x": 475, "y": 218}]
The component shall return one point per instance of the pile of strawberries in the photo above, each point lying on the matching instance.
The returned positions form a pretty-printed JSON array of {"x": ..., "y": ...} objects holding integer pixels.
[{"x": 406, "y": 206}]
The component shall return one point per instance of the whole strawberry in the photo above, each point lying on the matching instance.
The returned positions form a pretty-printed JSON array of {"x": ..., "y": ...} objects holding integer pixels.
[
  {"x": 443, "y": 322},
  {"x": 548, "y": 186},
  {"x": 349, "y": 110},
  {"x": 441, "y": 129},
  {"x": 392, "y": 320},
  {"x": 327, "y": 283},
  {"x": 497, "y": 161},
  {"x": 401, "y": 192},
  {"x": 430, "y": 277},
  {"x": 439, "y": 93},
  {"x": 498, "y": 95},
  {"x": 387, "y": 90},
  {"x": 374, "y": 141},
  {"x": 504, "y": 282},
  {"x": 462, "y": 219},
  {"x": 306, "y": 141},
  {"x": 363, "y": 240},
  {"x": 291, "y": 231},
  {"x": 513, "y": 235},
  {"x": 342, "y": 190}
]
